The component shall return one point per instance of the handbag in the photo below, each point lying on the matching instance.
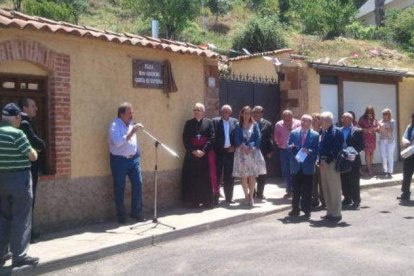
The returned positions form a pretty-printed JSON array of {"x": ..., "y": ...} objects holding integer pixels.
[{"x": 345, "y": 160}]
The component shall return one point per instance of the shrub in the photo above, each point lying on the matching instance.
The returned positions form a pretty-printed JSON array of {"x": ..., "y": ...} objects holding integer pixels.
[
  {"x": 358, "y": 31},
  {"x": 259, "y": 35},
  {"x": 50, "y": 9},
  {"x": 399, "y": 27}
]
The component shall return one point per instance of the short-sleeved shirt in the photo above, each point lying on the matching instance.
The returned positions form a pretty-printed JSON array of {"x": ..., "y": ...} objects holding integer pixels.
[{"x": 14, "y": 147}]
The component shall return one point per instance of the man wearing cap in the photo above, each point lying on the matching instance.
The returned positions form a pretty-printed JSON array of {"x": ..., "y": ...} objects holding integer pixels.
[
  {"x": 125, "y": 161},
  {"x": 29, "y": 110},
  {"x": 15, "y": 189}
]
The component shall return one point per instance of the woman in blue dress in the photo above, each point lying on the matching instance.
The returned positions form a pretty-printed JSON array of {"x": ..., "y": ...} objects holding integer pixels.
[{"x": 248, "y": 159}]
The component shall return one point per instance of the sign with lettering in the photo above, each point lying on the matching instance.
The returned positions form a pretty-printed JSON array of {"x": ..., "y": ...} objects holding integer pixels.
[{"x": 148, "y": 74}]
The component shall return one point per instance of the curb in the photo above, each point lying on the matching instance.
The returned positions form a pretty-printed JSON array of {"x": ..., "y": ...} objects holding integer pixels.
[{"x": 55, "y": 265}]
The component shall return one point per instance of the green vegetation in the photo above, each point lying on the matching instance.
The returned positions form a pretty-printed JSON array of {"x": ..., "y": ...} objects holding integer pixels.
[{"x": 317, "y": 28}]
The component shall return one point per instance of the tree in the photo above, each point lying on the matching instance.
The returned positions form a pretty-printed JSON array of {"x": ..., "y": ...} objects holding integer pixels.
[
  {"x": 60, "y": 10},
  {"x": 399, "y": 27},
  {"x": 173, "y": 15},
  {"x": 17, "y": 4},
  {"x": 219, "y": 7},
  {"x": 260, "y": 35},
  {"x": 327, "y": 18}
]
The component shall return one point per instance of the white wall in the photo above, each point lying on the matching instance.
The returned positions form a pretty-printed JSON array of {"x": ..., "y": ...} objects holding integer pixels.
[{"x": 358, "y": 95}]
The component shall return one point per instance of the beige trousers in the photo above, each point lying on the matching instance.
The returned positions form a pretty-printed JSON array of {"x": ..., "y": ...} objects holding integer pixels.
[{"x": 331, "y": 187}]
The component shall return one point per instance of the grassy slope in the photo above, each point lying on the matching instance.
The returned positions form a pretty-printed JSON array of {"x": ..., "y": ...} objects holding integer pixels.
[{"x": 108, "y": 14}]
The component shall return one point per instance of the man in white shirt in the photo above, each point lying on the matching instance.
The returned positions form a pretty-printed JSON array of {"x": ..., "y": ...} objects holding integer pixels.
[
  {"x": 224, "y": 150},
  {"x": 125, "y": 161}
]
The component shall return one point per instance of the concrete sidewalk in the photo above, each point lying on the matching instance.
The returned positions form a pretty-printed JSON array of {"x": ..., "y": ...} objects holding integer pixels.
[{"x": 75, "y": 246}]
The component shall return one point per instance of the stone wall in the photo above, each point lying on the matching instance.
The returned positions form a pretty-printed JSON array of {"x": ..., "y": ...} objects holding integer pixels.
[
  {"x": 294, "y": 90},
  {"x": 64, "y": 203}
]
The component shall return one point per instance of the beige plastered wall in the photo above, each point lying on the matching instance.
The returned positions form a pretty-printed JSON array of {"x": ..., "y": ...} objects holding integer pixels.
[
  {"x": 257, "y": 66},
  {"x": 101, "y": 78},
  {"x": 314, "y": 88},
  {"x": 406, "y": 102}
]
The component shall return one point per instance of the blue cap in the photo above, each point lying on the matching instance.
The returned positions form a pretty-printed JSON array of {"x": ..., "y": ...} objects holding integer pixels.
[{"x": 11, "y": 109}]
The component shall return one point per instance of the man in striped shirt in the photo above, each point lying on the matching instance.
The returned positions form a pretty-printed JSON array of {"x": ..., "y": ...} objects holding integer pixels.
[{"x": 15, "y": 189}]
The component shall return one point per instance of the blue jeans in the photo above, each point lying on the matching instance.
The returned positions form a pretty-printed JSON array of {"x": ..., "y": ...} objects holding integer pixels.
[
  {"x": 284, "y": 156},
  {"x": 121, "y": 167},
  {"x": 16, "y": 198}
]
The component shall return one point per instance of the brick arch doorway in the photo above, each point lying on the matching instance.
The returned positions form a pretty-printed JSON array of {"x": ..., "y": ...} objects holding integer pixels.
[
  {"x": 57, "y": 87},
  {"x": 15, "y": 87}
]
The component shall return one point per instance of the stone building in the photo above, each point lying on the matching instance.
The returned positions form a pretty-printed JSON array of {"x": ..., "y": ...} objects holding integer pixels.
[{"x": 78, "y": 76}]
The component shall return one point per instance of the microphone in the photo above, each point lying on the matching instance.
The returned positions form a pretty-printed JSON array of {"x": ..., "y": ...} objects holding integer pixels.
[{"x": 139, "y": 125}]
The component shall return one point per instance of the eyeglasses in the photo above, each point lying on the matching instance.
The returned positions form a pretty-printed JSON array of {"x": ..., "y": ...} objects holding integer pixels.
[{"x": 196, "y": 110}]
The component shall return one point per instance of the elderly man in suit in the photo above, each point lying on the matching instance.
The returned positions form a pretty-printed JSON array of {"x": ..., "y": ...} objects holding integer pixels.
[
  {"x": 266, "y": 146},
  {"x": 350, "y": 180},
  {"x": 224, "y": 149},
  {"x": 303, "y": 143},
  {"x": 330, "y": 144}
]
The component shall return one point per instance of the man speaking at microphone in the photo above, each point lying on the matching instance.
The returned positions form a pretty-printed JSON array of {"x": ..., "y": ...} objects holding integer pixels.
[{"x": 125, "y": 161}]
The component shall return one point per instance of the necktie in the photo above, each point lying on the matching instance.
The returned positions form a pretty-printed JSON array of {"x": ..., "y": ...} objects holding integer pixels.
[{"x": 303, "y": 138}]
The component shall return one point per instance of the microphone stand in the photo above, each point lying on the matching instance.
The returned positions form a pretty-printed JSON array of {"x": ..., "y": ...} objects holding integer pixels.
[{"x": 173, "y": 153}]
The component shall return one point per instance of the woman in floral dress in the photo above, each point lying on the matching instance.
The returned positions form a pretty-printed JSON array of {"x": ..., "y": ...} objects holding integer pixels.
[
  {"x": 370, "y": 127},
  {"x": 248, "y": 159}
]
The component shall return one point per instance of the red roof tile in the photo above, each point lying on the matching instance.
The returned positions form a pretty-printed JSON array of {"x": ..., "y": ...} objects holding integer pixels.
[
  {"x": 18, "y": 20},
  {"x": 269, "y": 53}
]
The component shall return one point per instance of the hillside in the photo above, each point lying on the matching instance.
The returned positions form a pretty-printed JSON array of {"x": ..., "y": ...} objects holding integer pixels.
[{"x": 110, "y": 15}]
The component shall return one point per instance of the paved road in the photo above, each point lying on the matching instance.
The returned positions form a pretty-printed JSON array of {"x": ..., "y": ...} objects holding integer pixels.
[{"x": 377, "y": 240}]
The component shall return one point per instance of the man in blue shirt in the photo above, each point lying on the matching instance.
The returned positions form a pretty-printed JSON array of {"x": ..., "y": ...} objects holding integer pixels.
[
  {"x": 350, "y": 180},
  {"x": 331, "y": 142},
  {"x": 125, "y": 161}
]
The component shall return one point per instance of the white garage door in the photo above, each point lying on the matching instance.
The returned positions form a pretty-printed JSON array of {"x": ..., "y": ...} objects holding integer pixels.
[
  {"x": 358, "y": 95},
  {"x": 329, "y": 99}
]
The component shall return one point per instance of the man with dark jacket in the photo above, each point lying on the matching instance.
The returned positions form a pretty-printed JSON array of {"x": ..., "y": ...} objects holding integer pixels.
[
  {"x": 350, "y": 180},
  {"x": 331, "y": 142},
  {"x": 224, "y": 149},
  {"x": 29, "y": 110},
  {"x": 266, "y": 146}
]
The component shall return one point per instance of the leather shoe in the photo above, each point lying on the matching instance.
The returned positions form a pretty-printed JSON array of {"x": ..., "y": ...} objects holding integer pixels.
[
  {"x": 141, "y": 219},
  {"x": 335, "y": 219},
  {"x": 326, "y": 217},
  {"x": 404, "y": 196},
  {"x": 229, "y": 201},
  {"x": 122, "y": 220},
  {"x": 293, "y": 213},
  {"x": 5, "y": 258},
  {"x": 307, "y": 215},
  {"x": 32, "y": 261},
  {"x": 354, "y": 206}
]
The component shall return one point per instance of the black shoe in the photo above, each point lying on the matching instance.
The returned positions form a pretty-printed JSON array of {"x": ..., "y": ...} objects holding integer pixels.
[
  {"x": 229, "y": 201},
  {"x": 335, "y": 219},
  {"x": 122, "y": 220},
  {"x": 404, "y": 196},
  {"x": 5, "y": 258},
  {"x": 216, "y": 201},
  {"x": 32, "y": 261},
  {"x": 326, "y": 217},
  {"x": 307, "y": 215},
  {"x": 315, "y": 203},
  {"x": 354, "y": 206},
  {"x": 141, "y": 219},
  {"x": 293, "y": 213},
  {"x": 346, "y": 203},
  {"x": 287, "y": 195}
]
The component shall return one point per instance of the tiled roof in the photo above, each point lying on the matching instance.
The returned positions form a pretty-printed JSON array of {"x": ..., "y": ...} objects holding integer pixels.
[
  {"x": 13, "y": 19},
  {"x": 275, "y": 52},
  {"x": 358, "y": 69}
]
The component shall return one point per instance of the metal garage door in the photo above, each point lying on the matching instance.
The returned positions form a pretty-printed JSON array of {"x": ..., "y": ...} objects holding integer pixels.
[{"x": 358, "y": 95}]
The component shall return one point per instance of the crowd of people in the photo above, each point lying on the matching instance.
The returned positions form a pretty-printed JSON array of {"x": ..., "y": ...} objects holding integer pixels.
[
  {"x": 320, "y": 159},
  {"x": 320, "y": 163}
]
